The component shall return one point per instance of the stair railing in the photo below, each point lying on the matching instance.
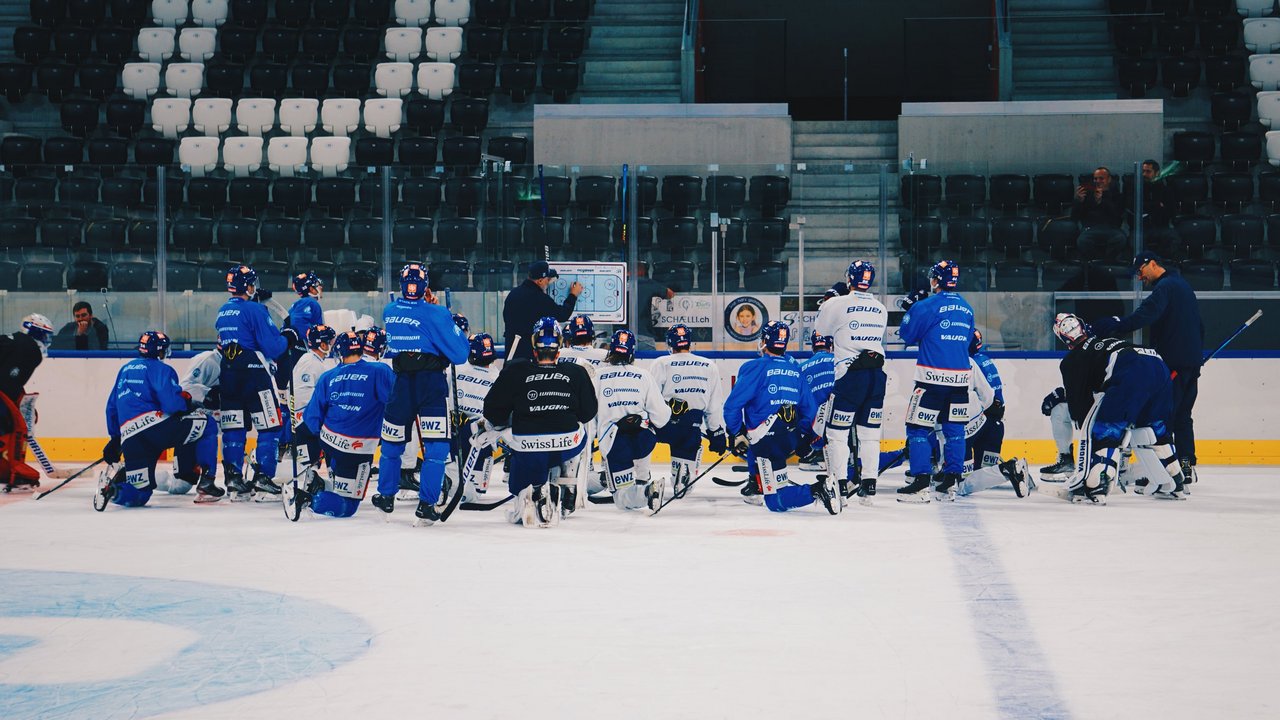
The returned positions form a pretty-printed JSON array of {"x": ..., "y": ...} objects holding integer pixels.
[
  {"x": 1004, "y": 50},
  {"x": 689, "y": 52}
]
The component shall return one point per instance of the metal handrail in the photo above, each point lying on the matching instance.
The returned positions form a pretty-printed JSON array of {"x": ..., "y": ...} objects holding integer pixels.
[{"x": 688, "y": 52}]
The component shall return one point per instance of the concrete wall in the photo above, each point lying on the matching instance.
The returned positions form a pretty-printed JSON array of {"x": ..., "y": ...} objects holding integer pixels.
[
  {"x": 1065, "y": 135},
  {"x": 692, "y": 136}
]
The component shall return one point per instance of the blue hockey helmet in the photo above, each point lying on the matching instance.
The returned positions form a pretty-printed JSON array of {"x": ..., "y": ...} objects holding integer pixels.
[
  {"x": 374, "y": 341},
  {"x": 975, "y": 342},
  {"x": 481, "y": 351},
  {"x": 1070, "y": 329},
  {"x": 546, "y": 334},
  {"x": 413, "y": 281},
  {"x": 303, "y": 282},
  {"x": 153, "y": 344},
  {"x": 861, "y": 275},
  {"x": 775, "y": 335},
  {"x": 318, "y": 335},
  {"x": 463, "y": 323},
  {"x": 240, "y": 278},
  {"x": 579, "y": 328},
  {"x": 947, "y": 273},
  {"x": 679, "y": 337},
  {"x": 821, "y": 342},
  {"x": 623, "y": 343},
  {"x": 347, "y": 344}
]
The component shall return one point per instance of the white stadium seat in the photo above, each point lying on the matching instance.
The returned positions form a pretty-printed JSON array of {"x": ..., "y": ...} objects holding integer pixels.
[
  {"x": 140, "y": 80},
  {"x": 1269, "y": 108},
  {"x": 171, "y": 116},
  {"x": 256, "y": 116},
  {"x": 211, "y": 116},
  {"x": 209, "y": 13},
  {"x": 443, "y": 44},
  {"x": 393, "y": 79},
  {"x": 453, "y": 12},
  {"x": 156, "y": 44},
  {"x": 182, "y": 79},
  {"x": 287, "y": 156},
  {"x": 403, "y": 44},
  {"x": 413, "y": 13},
  {"x": 199, "y": 155},
  {"x": 197, "y": 44},
  {"x": 242, "y": 156},
  {"x": 298, "y": 115},
  {"x": 170, "y": 13},
  {"x": 436, "y": 79},
  {"x": 1255, "y": 8},
  {"x": 340, "y": 116},
  {"x": 330, "y": 155},
  {"x": 1264, "y": 71},
  {"x": 1273, "y": 147},
  {"x": 1262, "y": 35},
  {"x": 383, "y": 117}
]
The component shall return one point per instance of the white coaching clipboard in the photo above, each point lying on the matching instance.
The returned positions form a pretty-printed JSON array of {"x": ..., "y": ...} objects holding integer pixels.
[{"x": 604, "y": 290}]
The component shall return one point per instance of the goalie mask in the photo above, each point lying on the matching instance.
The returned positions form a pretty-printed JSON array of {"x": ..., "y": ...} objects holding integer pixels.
[{"x": 1070, "y": 329}]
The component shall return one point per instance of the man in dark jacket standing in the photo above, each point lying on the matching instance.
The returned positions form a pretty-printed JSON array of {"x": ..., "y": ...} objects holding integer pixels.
[
  {"x": 528, "y": 302},
  {"x": 1177, "y": 333}
]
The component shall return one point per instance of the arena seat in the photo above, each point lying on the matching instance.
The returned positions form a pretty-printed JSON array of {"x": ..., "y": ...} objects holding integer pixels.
[
  {"x": 79, "y": 191},
  {"x": 208, "y": 195},
  {"x": 1058, "y": 236},
  {"x": 319, "y": 45},
  {"x": 15, "y": 81},
  {"x": 210, "y": 13},
  {"x": 361, "y": 44},
  {"x": 256, "y": 116},
  {"x": 393, "y": 79},
  {"x": 452, "y": 12},
  {"x": 340, "y": 116},
  {"x": 543, "y": 234},
  {"x": 382, "y": 117},
  {"x": 1189, "y": 191},
  {"x": 444, "y": 44},
  {"x": 566, "y": 42},
  {"x": 493, "y": 275},
  {"x": 1193, "y": 148},
  {"x": 492, "y": 12},
  {"x": 921, "y": 236},
  {"x": 1016, "y": 276},
  {"x": 198, "y": 155},
  {"x": 555, "y": 191},
  {"x": 154, "y": 151},
  {"x": 1132, "y": 36},
  {"x": 589, "y": 234},
  {"x": 56, "y": 80},
  {"x": 461, "y": 152},
  {"x": 135, "y": 276},
  {"x": 330, "y": 155},
  {"x": 516, "y": 150},
  {"x": 42, "y": 276},
  {"x": 420, "y": 152},
  {"x": 767, "y": 276},
  {"x": 461, "y": 233},
  {"x": 524, "y": 42},
  {"x": 1264, "y": 71},
  {"x": 1196, "y": 235},
  {"x": 1242, "y": 234},
  {"x": 113, "y": 44},
  {"x": 519, "y": 80},
  {"x": 72, "y": 44},
  {"x": 675, "y": 274},
  {"x": 1255, "y": 8},
  {"x": 238, "y": 44},
  {"x": 424, "y": 116},
  {"x": 403, "y": 44},
  {"x": 299, "y": 116},
  {"x": 182, "y": 79},
  {"x": 1012, "y": 235},
  {"x": 1175, "y": 36},
  {"x": 170, "y": 13},
  {"x": 920, "y": 192},
  {"x": 171, "y": 116},
  {"x": 197, "y": 44},
  {"x": 223, "y": 80},
  {"x": 268, "y": 80},
  {"x": 421, "y": 194},
  {"x": 242, "y": 156},
  {"x": 1252, "y": 275},
  {"x": 1059, "y": 276},
  {"x": 1272, "y": 139},
  {"x": 561, "y": 79},
  {"x": 412, "y": 13},
  {"x": 767, "y": 235},
  {"x": 280, "y": 44},
  {"x": 211, "y": 116},
  {"x": 435, "y": 80},
  {"x": 97, "y": 80},
  {"x": 287, "y": 156},
  {"x": 33, "y": 44},
  {"x": 141, "y": 80},
  {"x": 1203, "y": 276},
  {"x": 464, "y": 193},
  {"x": 1053, "y": 192},
  {"x": 1269, "y": 193},
  {"x": 375, "y": 152},
  {"x": 469, "y": 115},
  {"x": 331, "y": 13},
  {"x": 156, "y": 44},
  {"x": 1231, "y": 191},
  {"x": 1009, "y": 192},
  {"x": 80, "y": 117},
  {"x": 173, "y": 187},
  {"x": 293, "y": 13},
  {"x": 120, "y": 191},
  {"x": 1180, "y": 74},
  {"x": 1219, "y": 36}
]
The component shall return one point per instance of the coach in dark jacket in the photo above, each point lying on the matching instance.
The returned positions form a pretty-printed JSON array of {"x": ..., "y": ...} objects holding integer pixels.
[
  {"x": 528, "y": 302},
  {"x": 1177, "y": 333}
]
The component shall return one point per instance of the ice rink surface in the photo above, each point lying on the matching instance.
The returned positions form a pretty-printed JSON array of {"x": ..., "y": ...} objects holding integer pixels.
[{"x": 988, "y": 607}]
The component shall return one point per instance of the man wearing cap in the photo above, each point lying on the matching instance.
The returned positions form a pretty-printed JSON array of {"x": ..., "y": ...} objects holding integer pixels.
[
  {"x": 528, "y": 302},
  {"x": 1177, "y": 333}
]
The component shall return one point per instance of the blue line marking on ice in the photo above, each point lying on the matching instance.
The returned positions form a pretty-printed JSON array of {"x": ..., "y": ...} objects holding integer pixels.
[
  {"x": 249, "y": 641},
  {"x": 1023, "y": 683}
]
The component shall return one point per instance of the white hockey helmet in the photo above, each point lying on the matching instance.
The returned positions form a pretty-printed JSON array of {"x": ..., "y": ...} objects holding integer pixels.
[
  {"x": 39, "y": 328},
  {"x": 1070, "y": 329}
]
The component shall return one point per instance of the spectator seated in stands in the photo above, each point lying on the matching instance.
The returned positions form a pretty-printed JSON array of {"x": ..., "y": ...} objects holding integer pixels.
[
  {"x": 1100, "y": 211},
  {"x": 1157, "y": 233},
  {"x": 85, "y": 332}
]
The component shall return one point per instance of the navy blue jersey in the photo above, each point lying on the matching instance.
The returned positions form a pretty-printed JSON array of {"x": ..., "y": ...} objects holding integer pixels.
[
  {"x": 249, "y": 325},
  {"x": 1172, "y": 312},
  {"x": 350, "y": 398},
  {"x": 764, "y": 385},
  {"x": 304, "y": 313},
  {"x": 423, "y": 327},
  {"x": 988, "y": 368},
  {"x": 941, "y": 325},
  {"x": 146, "y": 389}
]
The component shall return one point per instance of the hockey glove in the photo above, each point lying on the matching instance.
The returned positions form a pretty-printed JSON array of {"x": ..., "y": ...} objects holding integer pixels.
[
  {"x": 111, "y": 451},
  {"x": 291, "y": 339},
  {"x": 1104, "y": 327},
  {"x": 678, "y": 406},
  {"x": 303, "y": 434},
  {"x": 263, "y": 295},
  {"x": 630, "y": 424},
  {"x": 804, "y": 445},
  {"x": 717, "y": 442},
  {"x": 458, "y": 418},
  {"x": 867, "y": 360},
  {"x": 995, "y": 413},
  {"x": 1057, "y": 397},
  {"x": 836, "y": 290},
  {"x": 740, "y": 445},
  {"x": 213, "y": 399},
  {"x": 915, "y": 296}
]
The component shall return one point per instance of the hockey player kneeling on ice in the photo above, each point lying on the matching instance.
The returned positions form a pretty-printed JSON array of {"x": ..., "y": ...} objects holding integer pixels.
[
  {"x": 148, "y": 413},
  {"x": 819, "y": 375},
  {"x": 542, "y": 407},
  {"x": 422, "y": 342},
  {"x": 856, "y": 324},
  {"x": 345, "y": 415},
  {"x": 20, "y": 354},
  {"x": 579, "y": 348},
  {"x": 984, "y": 433},
  {"x": 307, "y": 370},
  {"x": 631, "y": 409},
  {"x": 1135, "y": 406},
  {"x": 691, "y": 386},
  {"x": 766, "y": 407},
  {"x": 475, "y": 447}
]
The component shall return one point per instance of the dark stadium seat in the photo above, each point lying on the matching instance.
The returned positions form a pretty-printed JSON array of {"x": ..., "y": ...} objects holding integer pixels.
[
  {"x": 281, "y": 235},
  {"x": 361, "y": 44},
  {"x": 976, "y": 278},
  {"x": 1230, "y": 110},
  {"x": 1016, "y": 276},
  {"x": 461, "y": 234},
  {"x": 9, "y": 272},
  {"x": 193, "y": 235},
  {"x": 532, "y": 11},
  {"x": 238, "y": 236},
  {"x": 1010, "y": 192},
  {"x": 18, "y": 232},
  {"x": 72, "y": 44},
  {"x": 324, "y": 235},
  {"x": 524, "y": 42},
  {"x": 211, "y": 276},
  {"x": 331, "y": 13},
  {"x": 15, "y": 81},
  {"x": 770, "y": 193},
  {"x": 124, "y": 117},
  {"x": 544, "y": 234},
  {"x": 173, "y": 186},
  {"x": 413, "y": 236},
  {"x": 589, "y": 234},
  {"x": 645, "y": 194},
  {"x": 249, "y": 13},
  {"x": 1059, "y": 276},
  {"x": 248, "y": 195},
  {"x": 919, "y": 192},
  {"x": 114, "y": 44},
  {"x": 1202, "y": 275},
  {"x": 681, "y": 194},
  {"x": 1188, "y": 191},
  {"x": 420, "y": 153},
  {"x": 223, "y": 79},
  {"x": 1180, "y": 74},
  {"x": 1232, "y": 190},
  {"x": 1053, "y": 192},
  {"x": 336, "y": 195},
  {"x": 1241, "y": 149},
  {"x": 80, "y": 117},
  {"x": 461, "y": 152},
  {"x": 293, "y": 13},
  {"x": 675, "y": 274},
  {"x": 56, "y": 80},
  {"x": 61, "y": 233},
  {"x": 493, "y": 12},
  {"x": 79, "y": 191},
  {"x": 1225, "y": 73},
  {"x": 726, "y": 194},
  {"x": 268, "y": 80},
  {"x": 769, "y": 235},
  {"x": 1196, "y": 235},
  {"x": 1253, "y": 275},
  {"x": 556, "y": 193},
  {"x": 922, "y": 237},
  {"x": 154, "y": 151},
  {"x": 677, "y": 235},
  {"x": 374, "y": 13},
  {"x": 421, "y": 195},
  {"x": 130, "y": 13},
  {"x": 1175, "y": 37},
  {"x": 1242, "y": 234},
  {"x": 967, "y": 236},
  {"x": 423, "y": 115},
  {"x": 965, "y": 192},
  {"x": 514, "y": 149},
  {"x": 469, "y": 115},
  {"x": 641, "y": 232},
  {"x": 507, "y": 194},
  {"x": 310, "y": 79},
  {"x": 237, "y": 44},
  {"x": 731, "y": 240},
  {"x": 350, "y": 80},
  {"x": 42, "y": 276},
  {"x": 1269, "y": 191},
  {"x": 273, "y": 275},
  {"x": 566, "y": 42},
  {"x": 1012, "y": 235},
  {"x": 595, "y": 193},
  {"x": 477, "y": 79},
  {"x": 1058, "y": 236},
  {"x": 1132, "y": 36},
  {"x": 63, "y": 151},
  {"x": 208, "y": 195},
  {"x": 140, "y": 276},
  {"x": 319, "y": 44},
  {"x": 464, "y": 194},
  {"x": 1220, "y": 36},
  {"x": 375, "y": 151},
  {"x": 36, "y": 194},
  {"x": 728, "y": 276},
  {"x": 561, "y": 79},
  {"x": 98, "y": 80},
  {"x": 449, "y": 275},
  {"x": 87, "y": 275},
  {"x": 291, "y": 196},
  {"x": 483, "y": 42},
  {"x": 48, "y": 13},
  {"x": 519, "y": 80},
  {"x": 120, "y": 192},
  {"x": 493, "y": 275},
  {"x": 32, "y": 43},
  {"x": 768, "y": 276}
]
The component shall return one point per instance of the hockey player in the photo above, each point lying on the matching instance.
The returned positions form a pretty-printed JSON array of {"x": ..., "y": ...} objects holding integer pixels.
[
  {"x": 306, "y": 373},
  {"x": 984, "y": 433},
  {"x": 819, "y": 377},
  {"x": 942, "y": 325},
  {"x": 631, "y": 411},
  {"x": 1054, "y": 407},
  {"x": 579, "y": 336},
  {"x": 766, "y": 407},
  {"x": 305, "y": 311},
  {"x": 148, "y": 413},
  {"x": 856, "y": 323},
  {"x": 474, "y": 447},
  {"x": 422, "y": 342},
  {"x": 543, "y": 405},
  {"x": 250, "y": 343},
  {"x": 202, "y": 383},
  {"x": 345, "y": 417},
  {"x": 691, "y": 386},
  {"x": 20, "y": 354},
  {"x": 1135, "y": 407}
]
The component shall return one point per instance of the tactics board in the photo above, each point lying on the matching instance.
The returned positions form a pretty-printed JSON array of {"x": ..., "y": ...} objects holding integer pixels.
[{"x": 603, "y": 296}]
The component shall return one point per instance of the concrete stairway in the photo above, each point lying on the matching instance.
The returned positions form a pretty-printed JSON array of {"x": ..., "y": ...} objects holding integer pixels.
[
  {"x": 1061, "y": 50},
  {"x": 838, "y": 194},
  {"x": 633, "y": 53}
]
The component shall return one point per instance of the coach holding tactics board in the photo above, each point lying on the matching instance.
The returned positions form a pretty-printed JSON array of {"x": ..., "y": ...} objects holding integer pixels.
[{"x": 528, "y": 302}]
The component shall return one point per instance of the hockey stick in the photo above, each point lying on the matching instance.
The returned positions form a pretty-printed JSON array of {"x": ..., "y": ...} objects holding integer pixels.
[
  {"x": 95, "y": 464},
  {"x": 483, "y": 507},
  {"x": 461, "y": 481},
  {"x": 688, "y": 487},
  {"x": 728, "y": 483},
  {"x": 40, "y": 456},
  {"x": 1233, "y": 335}
]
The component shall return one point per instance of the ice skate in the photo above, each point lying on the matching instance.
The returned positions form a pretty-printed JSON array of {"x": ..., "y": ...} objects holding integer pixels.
[
  {"x": 1060, "y": 471},
  {"x": 385, "y": 503},
  {"x": 540, "y": 510},
  {"x": 295, "y": 497},
  {"x": 751, "y": 491},
  {"x": 519, "y": 510},
  {"x": 207, "y": 490},
  {"x": 655, "y": 491},
  {"x": 237, "y": 487},
  {"x": 409, "y": 485},
  {"x": 1188, "y": 476},
  {"x": 265, "y": 488},
  {"x": 426, "y": 514},
  {"x": 813, "y": 462},
  {"x": 866, "y": 491},
  {"x": 568, "y": 500},
  {"x": 1084, "y": 495},
  {"x": 945, "y": 490},
  {"x": 108, "y": 480},
  {"x": 917, "y": 491},
  {"x": 1019, "y": 476},
  {"x": 824, "y": 491}
]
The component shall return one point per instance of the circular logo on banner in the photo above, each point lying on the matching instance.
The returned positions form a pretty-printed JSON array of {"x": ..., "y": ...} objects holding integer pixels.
[{"x": 744, "y": 317}]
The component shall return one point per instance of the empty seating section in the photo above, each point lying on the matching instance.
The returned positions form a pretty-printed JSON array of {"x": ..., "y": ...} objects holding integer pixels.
[{"x": 272, "y": 118}]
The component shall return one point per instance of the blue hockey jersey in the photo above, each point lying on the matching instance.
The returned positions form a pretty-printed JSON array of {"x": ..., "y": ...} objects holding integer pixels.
[
  {"x": 248, "y": 324},
  {"x": 942, "y": 326},
  {"x": 420, "y": 326},
  {"x": 819, "y": 375},
  {"x": 764, "y": 385},
  {"x": 988, "y": 368},
  {"x": 145, "y": 392},
  {"x": 304, "y": 313},
  {"x": 349, "y": 400}
]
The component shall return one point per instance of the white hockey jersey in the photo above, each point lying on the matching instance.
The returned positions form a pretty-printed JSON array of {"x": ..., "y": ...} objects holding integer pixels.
[
  {"x": 626, "y": 389},
  {"x": 202, "y": 376},
  {"x": 306, "y": 373},
  {"x": 855, "y": 322},
  {"x": 474, "y": 382},
  {"x": 589, "y": 357},
  {"x": 981, "y": 395},
  {"x": 694, "y": 379}
]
